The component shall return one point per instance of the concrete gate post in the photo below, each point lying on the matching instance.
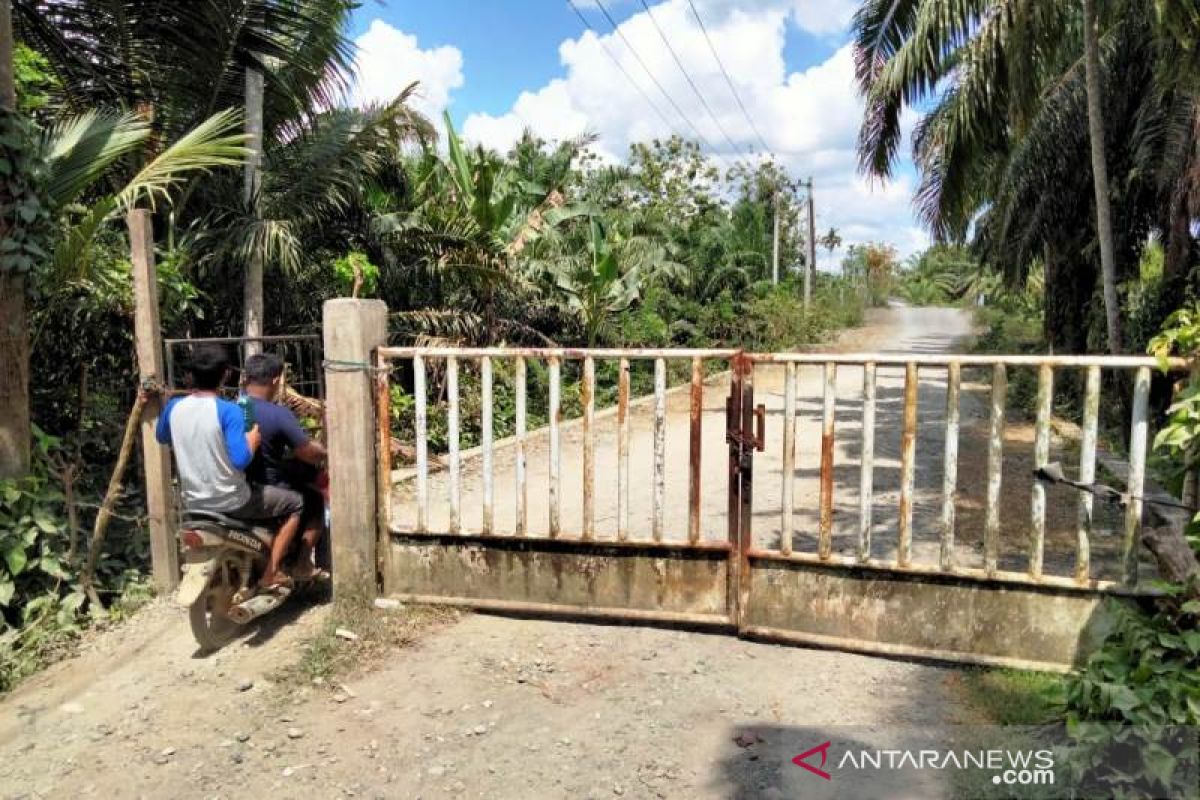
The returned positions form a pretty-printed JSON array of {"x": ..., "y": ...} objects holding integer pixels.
[{"x": 352, "y": 331}]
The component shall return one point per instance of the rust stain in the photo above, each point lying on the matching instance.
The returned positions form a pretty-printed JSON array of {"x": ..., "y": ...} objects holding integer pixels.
[
  {"x": 829, "y": 406},
  {"x": 383, "y": 467},
  {"x": 585, "y": 392},
  {"x": 825, "y": 543}
]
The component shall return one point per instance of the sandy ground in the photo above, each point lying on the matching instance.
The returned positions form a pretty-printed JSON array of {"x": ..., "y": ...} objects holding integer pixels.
[{"x": 508, "y": 708}]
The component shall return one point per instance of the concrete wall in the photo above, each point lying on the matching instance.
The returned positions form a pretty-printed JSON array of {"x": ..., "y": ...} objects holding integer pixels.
[
  {"x": 924, "y": 616},
  {"x": 667, "y": 583}
]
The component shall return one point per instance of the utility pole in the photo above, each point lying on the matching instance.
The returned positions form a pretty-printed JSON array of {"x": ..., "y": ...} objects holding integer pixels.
[
  {"x": 253, "y": 288},
  {"x": 775, "y": 247},
  {"x": 810, "y": 274}
]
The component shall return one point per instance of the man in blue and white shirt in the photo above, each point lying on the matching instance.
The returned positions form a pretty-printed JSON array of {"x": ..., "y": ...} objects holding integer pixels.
[{"x": 212, "y": 451}]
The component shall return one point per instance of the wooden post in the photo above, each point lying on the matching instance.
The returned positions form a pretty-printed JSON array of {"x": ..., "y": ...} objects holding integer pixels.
[
  {"x": 352, "y": 330},
  {"x": 252, "y": 291},
  {"x": 156, "y": 459}
]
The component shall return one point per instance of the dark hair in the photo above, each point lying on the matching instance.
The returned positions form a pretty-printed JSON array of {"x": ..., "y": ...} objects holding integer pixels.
[
  {"x": 207, "y": 366},
  {"x": 262, "y": 368}
]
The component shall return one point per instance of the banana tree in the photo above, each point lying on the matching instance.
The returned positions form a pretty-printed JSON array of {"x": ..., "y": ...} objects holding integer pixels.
[
  {"x": 595, "y": 285},
  {"x": 478, "y": 226}
]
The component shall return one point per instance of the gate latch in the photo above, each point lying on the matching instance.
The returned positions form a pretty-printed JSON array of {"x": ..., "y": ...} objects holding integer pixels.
[{"x": 734, "y": 434}]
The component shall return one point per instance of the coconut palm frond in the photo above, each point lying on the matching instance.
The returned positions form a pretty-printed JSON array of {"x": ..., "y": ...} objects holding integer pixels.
[
  {"x": 78, "y": 150},
  {"x": 183, "y": 60},
  {"x": 216, "y": 142}
]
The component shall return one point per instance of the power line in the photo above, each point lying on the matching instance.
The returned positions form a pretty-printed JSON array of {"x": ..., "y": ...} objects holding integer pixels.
[
  {"x": 654, "y": 80},
  {"x": 625, "y": 72},
  {"x": 732, "y": 88},
  {"x": 688, "y": 78}
]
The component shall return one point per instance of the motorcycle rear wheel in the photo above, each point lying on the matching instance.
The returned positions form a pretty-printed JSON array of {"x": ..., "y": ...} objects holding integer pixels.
[{"x": 207, "y": 615}]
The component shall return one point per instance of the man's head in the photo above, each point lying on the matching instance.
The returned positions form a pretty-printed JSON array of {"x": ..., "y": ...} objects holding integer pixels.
[
  {"x": 208, "y": 366},
  {"x": 263, "y": 372}
]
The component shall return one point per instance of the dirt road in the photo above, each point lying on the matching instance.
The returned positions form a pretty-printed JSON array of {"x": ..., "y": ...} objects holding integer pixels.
[{"x": 485, "y": 706}]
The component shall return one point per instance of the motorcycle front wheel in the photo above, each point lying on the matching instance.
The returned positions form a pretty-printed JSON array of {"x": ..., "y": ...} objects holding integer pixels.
[{"x": 211, "y": 626}]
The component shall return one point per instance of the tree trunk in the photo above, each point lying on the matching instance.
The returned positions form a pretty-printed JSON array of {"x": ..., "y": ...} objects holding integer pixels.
[
  {"x": 1104, "y": 229},
  {"x": 253, "y": 290},
  {"x": 1177, "y": 244},
  {"x": 1174, "y": 556},
  {"x": 1069, "y": 287},
  {"x": 15, "y": 432},
  {"x": 1177, "y": 222}
]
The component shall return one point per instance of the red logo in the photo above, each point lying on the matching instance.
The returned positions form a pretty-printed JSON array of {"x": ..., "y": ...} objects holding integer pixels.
[{"x": 823, "y": 749}]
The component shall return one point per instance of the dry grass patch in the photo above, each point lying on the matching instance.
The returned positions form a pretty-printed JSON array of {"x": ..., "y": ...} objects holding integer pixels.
[{"x": 356, "y": 635}]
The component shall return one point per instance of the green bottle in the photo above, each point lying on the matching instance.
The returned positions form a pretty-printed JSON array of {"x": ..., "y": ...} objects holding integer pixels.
[{"x": 247, "y": 405}]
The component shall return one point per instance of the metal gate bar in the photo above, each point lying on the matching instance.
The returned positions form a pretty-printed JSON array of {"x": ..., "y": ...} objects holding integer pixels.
[
  {"x": 305, "y": 370},
  {"x": 567, "y": 571},
  {"x": 984, "y": 614},
  {"x": 951, "y": 366},
  {"x": 420, "y": 359}
]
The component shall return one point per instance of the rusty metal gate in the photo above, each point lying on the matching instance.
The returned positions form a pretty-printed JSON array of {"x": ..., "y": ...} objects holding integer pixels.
[{"x": 904, "y": 586}]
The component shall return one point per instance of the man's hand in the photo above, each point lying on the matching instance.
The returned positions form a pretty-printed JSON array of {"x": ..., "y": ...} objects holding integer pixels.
[
  {"x": 254, "y": 438},
  {"x": 149, "y": 390},
  {"x": 311, "y": 453}
]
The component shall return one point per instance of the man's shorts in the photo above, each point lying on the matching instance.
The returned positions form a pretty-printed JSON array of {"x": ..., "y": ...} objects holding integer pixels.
[{"x": 269, "y": 503}]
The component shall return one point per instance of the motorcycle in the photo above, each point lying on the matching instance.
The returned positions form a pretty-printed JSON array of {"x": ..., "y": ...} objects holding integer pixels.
[{"x": 223, "y": 559}]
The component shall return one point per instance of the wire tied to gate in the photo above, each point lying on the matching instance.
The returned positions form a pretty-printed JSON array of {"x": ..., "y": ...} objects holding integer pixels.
[
  {"x": 335, "y": 365},
  {"x": 1053, "y": 473}
]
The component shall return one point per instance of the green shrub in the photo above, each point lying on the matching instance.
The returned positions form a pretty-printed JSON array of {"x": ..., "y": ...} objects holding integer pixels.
[
  {"x": 1139, "y": 690},
  {"x": 33, "y": 538},
  {"x": 355, "y": 266}
]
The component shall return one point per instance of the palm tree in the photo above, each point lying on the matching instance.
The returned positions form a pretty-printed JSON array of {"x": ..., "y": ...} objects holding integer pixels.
[
  {"x": 314, "y": 176},
  {"x": 831, "y": 241},
  {"x": 178, "y": 62},
  {"x": 15, "y": 429},
  {"x": 1001, "y": 153},
  {"x": 1104, "y": 230},
  {"x": 185, "y": 60}
]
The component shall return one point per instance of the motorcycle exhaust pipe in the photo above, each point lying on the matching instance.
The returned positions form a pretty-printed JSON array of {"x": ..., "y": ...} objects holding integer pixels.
[{"x": 254, "y": 607}]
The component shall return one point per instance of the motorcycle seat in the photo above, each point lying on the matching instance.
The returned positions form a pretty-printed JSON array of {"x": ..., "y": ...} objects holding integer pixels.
[{"x": 196, "y": 515}]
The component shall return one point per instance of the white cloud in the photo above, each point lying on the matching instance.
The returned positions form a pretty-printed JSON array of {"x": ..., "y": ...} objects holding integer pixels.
[
  {"x": 824, "y": 17},
  {"x": 388, "y": 59},
  {"x": 810, "y": 119},
  {"x": 817, "y": 17}
]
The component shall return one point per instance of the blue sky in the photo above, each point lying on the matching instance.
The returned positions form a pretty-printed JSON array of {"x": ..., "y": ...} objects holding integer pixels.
[{"x": 500, "y": 66}]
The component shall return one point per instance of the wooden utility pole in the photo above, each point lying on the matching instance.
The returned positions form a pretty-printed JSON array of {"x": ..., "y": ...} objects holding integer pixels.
[
  {"x": 15, "y": 430},
  {"x": 253, "y": 289},
  {"x": 810, "y": 274},
  {"x": 164, "y": 553},
  {"x": 775, "y": 241}
]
